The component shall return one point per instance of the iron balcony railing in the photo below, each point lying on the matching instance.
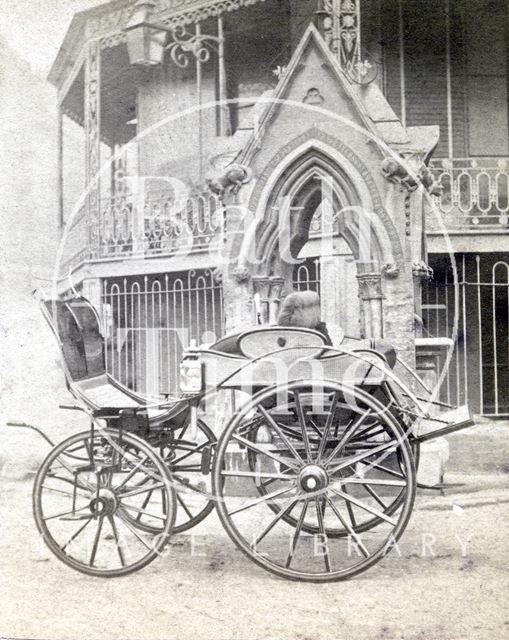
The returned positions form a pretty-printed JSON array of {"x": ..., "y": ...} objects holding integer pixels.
[
  {"x": 474, "y": 191},
  {"x": 124, "y": 228}
]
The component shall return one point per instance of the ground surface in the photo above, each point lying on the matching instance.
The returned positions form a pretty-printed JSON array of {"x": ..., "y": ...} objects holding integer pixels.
[{"x": 205, "y": 588}]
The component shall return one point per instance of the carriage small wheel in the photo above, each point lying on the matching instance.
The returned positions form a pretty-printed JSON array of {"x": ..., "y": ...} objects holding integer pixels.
[
  {"x": 92, "y": 493},
  {"x": 188, "y": 458},
  {"x": 328, "y": 482}
]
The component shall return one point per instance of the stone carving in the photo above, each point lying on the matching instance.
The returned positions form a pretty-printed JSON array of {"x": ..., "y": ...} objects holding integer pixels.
[
  {"x": 276, "y": 287},
  {"x": 422, "y": 271},
  {"x": 231, "y": 180},
  {"x": 397, "y": 173},
  {"x": 241, "y": 274},
  {"x": 313, "y": 96},
  {"x": 390, "y": 270},
  {"x": 370, "y": 286},
  {"x": 315, "y": 133},
  {"x": 218, "y": 275}
]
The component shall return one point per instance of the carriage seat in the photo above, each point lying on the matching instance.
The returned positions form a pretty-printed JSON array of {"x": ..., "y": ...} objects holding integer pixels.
[
  {"x": 261, "y": 340},
  {"x": 76, "y": 325}
]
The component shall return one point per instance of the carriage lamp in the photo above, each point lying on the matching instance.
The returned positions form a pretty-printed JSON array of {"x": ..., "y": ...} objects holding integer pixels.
[
  {"x": 191, "y": 375},
  {"x": 145, "y": 40}
]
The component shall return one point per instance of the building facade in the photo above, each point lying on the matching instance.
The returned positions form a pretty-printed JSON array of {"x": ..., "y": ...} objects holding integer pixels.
[{"x": 215, "y": 155}]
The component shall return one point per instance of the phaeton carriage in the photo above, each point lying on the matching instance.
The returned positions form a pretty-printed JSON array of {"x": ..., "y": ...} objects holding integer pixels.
[{"x": 313, "y": 476}]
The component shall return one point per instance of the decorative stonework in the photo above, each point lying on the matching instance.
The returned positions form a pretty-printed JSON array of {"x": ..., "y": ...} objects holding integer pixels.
[
  {"x": 241, "y": 274},
  {"x": 317, "y": 134},
  {"x": 390, "y": 271},
  {"x": 410, "y": 177},
  {"x": 370, "y": 286},
  {"x": 313, "y": 96},
  {"x": 218, "y": 275},
  {"x": 423, "y": 272},
  {"x": 231, "y": 180}
]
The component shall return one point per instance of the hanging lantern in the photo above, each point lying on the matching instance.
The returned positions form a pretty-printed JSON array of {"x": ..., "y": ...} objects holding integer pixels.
[{"x": 145, "y": 41}]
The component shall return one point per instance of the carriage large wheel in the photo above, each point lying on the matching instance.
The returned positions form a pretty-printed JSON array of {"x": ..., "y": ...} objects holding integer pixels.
[
  {"x": 391, "y": 467},
  {"x": 86, "y": 494},
  {"x": 323, "y": 467},
  {"x": 188, "y": 457}
]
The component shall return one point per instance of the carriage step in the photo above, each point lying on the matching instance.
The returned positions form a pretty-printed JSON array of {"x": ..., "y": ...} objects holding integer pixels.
[{"x": 444, "y": 423}]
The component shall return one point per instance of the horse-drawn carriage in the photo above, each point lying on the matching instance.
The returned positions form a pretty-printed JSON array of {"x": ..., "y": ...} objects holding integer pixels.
[{"x": 313, "y": 476}]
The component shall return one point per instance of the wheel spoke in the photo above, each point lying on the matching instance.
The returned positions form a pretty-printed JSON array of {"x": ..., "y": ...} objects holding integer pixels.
[
  {"x": 363, "y": 455},
  {"x": 284, "y": 511},
  {"x": 328, "y": 425},
  {"x": 185, "y": 507},
  {"x": 73, "y": 473},
  {"x": 197, "y": 449},
  {"x": 365, "y": 433},
  {"x": 272, "y": 423},
  {"x": 96, "y": 541},
  {"x": 363, "y": 505},
  {"x": 374, "y": 481},
  {"x": 347, "y": 436},
  {"x": 315, "y": 428},
  {"x": 66, "y": 513},
  {"x": 348, "y": 527},
  {"x": 253, "y": 503},
  {"x": 115, "y": 535},
  {"x": 269, "y": 454},
  {"x": 254, "y": 474},
  {"x": 387, "y": 470},
  {"x": 142, "y": 512},
  {"x": 320, "y": 514},
  {"x": 133, "y": 530},
  {"x": 135, "y": 492},
  {"x": 188, "y": 485},
  {"x": 65, "y": 493},
  {"x": 374, "y": 495},
  {"x": 296, "y": 534},
  {"x": 131, "y": 473},
  {"x": 302, "y": 422},
  {"x": 75, "y": 535}
]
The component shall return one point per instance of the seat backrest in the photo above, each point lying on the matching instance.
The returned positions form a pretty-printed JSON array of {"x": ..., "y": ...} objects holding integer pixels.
[
  {"x": 76, "y": 325},
  {"x": 291, "y": 342}
]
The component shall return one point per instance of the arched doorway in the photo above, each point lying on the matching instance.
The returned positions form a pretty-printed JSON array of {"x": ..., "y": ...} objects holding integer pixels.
[{"x": 318, "y": 235}]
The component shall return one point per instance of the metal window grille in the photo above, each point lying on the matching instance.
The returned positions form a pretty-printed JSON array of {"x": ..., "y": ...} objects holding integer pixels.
[
  {"x": 150, "y": 320},
  {"x": 479, "y": 370},
  {"x": 306, "y": 276}
]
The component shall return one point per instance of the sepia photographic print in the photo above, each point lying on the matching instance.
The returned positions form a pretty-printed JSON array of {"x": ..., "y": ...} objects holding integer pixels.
[{"x": 254, "y": 319}]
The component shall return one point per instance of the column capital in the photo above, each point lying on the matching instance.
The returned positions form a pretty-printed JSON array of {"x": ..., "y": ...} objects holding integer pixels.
[{"x": 370, "y": 286}]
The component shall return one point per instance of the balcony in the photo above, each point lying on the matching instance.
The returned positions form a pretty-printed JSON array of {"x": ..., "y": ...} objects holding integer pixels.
[
  {"x": 475, "y": 192},
  {"x": 123, "y": 228}
]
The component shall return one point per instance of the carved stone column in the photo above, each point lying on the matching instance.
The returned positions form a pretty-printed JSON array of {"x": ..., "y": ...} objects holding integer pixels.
[
  {"x": 261, "y": 289},
  {"x": 370, "y": 293},
  {"x": 276, "y": 288}
]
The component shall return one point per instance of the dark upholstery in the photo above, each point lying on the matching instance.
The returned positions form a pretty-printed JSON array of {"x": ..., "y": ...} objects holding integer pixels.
[{"x": 77, "y": 327}]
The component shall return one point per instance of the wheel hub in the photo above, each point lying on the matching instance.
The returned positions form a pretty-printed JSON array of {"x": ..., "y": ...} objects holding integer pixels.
[
  {"x": 104, "y": 503},
  {"x": 313, "y": 478}
]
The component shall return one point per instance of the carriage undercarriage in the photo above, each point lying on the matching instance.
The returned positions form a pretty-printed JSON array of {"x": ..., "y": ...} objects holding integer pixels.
[{"x": 313, "y": 477}]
